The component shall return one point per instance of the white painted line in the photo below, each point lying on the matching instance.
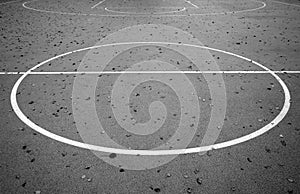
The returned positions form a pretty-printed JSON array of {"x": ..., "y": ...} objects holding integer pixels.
[
  {"x": 9, "y": 2},
  {"x": 189, "y": 2},
  {"x": 295, "y": 5},
  {"x": 149, "y": 7},
  {"x": 136, "y": 13},
  {"x": 98, "y": 4},
  {"x": 143, "y": 15},
  {"x": 144, "y": 72},
  {"x": 261, "y": 131}
]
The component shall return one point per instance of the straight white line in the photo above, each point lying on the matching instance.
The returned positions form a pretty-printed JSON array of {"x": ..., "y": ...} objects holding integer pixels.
[
  {"x": 286, "y": 3},
  {"x": 147, "y": 72},
  {"x": 145, "y": 7},
  {"x": 98, "y": 4},
  {"x": 191, "y": 4}
]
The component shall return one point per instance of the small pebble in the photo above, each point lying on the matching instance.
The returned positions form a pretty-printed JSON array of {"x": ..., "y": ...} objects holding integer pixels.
[
  {"x": 199, "y": 181},
  {"x": 260, "y": 120},
  {"x": 168, "y": 175},
  {"x": 208, "y": 153},
  {"x": 290, "y": 191},
  {"x": 189, "y": 190},
  {"x": 87, "y": 167},
  {"x": 283, "y": 142},
  {"x": 281, "y": 136},
  {"x": 185, "y": 176},
  {"x": 291, "y": 180},
  {"x": 112, "y": 155},
  {"x": 37, "y": 192},
  {"x": 122, "y": 170},
  {"x": 89, "y": 179},
  {"x": 83, "y": 176}
]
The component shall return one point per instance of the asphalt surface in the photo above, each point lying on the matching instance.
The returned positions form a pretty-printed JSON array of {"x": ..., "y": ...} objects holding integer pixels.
[{"x": 32, "y": 32}]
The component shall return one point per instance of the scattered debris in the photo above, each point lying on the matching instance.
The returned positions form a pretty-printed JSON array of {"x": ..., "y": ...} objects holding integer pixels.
[
  {"x": 24, "y": 184},
  {"x": 87, "y": 167},
  {"x": 268, "y": 150},
  {"x": 291, "y": 180},
  {"x": 208, "y": 153},
  {"x": 112, "y": 155},
  {"x": 196, "y": 171},
  {"x": 199, "y": 181},
  {"x": 21, "y": 128},
  {"x": 122, "y": 170},
  {"x": 249, "y": 160},
  {"x": 283, "y": 142}
]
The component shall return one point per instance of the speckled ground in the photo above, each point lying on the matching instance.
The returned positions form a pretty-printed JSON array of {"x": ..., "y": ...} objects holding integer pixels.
[{"x": 33, "y": 163}]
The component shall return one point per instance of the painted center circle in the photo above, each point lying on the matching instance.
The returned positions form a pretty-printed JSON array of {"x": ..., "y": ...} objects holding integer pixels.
[
  {"x": 39, "y": 129},
  {"x": 186, "y": 49}
]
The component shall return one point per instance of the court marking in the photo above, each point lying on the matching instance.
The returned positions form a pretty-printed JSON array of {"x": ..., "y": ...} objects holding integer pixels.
[
  {"x": 189, "y": 2},
  {"x": 151, "y": 7},
  {"x": 9, "y": 2},
  {"x": 136, "y": 13},
  {"x": 266, "y": 128},
  {"x": 128, "y": 15},
  {"x": 98, "y": 4},
  {"x": 284, "y": 3},
  {"x": 143, "y": 72}
]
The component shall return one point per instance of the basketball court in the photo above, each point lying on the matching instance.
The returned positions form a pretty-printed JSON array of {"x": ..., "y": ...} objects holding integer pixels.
[{"x": 157, "y": 96}]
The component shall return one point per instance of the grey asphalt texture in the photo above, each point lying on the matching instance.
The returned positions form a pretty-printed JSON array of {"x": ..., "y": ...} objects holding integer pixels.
[{"x": 33, "y": 163}]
